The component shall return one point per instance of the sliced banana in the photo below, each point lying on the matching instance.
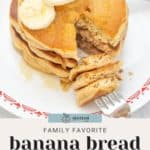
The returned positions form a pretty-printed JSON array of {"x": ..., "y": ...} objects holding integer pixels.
[
  {"x": 35, "y": 14},
  {"x": 57, "y": 2}
]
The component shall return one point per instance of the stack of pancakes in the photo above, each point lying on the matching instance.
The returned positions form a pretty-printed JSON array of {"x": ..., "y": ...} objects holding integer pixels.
[
  {"x": 38, "y": 47},
  {"x": 98, "y": 27}
]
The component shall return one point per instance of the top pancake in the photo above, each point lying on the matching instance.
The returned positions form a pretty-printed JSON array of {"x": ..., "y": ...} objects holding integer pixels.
[{"x": 109, "y": 16}]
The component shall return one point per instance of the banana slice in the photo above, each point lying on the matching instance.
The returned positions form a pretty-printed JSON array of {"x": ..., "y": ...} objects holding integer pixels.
[
  {"x": 35, "y": 14},
  {"x": 57, "y": 2}
]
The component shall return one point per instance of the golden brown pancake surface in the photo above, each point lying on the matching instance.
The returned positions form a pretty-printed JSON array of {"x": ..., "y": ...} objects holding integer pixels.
[{"x": 109, "y": 16}]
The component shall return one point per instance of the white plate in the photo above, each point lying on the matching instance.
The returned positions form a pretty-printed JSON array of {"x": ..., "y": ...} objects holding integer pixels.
[{"x": 28, "y": 93}]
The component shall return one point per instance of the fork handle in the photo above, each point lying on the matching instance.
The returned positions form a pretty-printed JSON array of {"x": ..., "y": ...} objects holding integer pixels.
[{"x": 123, "y": 111}]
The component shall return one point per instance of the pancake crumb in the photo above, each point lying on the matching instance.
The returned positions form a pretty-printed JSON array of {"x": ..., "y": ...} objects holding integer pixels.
[
  {"x": 130, "y": 73},
  {"x": 121, "y": 71}
]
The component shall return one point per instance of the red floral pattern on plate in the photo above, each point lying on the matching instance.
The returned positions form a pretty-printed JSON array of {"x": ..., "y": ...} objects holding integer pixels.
[
  {"x": 33, "y": 111},
  {"x": 22, "y": 107}
]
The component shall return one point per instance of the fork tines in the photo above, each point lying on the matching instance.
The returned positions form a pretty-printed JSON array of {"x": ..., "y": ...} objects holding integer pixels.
[{"x": 112, "y": 104}]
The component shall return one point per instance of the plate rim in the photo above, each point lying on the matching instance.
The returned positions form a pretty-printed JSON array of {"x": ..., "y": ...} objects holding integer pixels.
[{"x": 24, "y": 111}]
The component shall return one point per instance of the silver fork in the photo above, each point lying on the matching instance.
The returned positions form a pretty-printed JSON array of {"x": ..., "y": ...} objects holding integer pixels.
[{"x": 113, "y": 105}]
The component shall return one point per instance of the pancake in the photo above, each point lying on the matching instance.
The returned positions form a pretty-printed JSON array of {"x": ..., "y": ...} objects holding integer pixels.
[
  {"x": 33, "y": 60},
  {"x": 89, "y": 33},
  {"x": 48, "y": 55},
  {"x": 96, "y": 89},
  {"x": 87, "y": 78},
  {"x": 88, "y": 48},
  {"x": 108, "y": 19},
  {"x": 53, "y": 57},
  {"x": 90, "y": 63}
]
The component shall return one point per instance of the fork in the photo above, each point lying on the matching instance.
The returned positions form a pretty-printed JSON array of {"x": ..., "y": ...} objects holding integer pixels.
[{"x": 113, "y": 105}]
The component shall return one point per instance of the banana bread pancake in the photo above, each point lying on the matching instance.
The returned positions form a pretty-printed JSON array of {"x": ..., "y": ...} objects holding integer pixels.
[
  {"x": 86, "y": 78},
  {"x": 48, "y": 55},
  {"x": 105, "y": 20},
  {"x": 90, "y": 63},
  {"x": 96, "y": 89},
  {"x": 88, "y": 32},
  {"x": 33, "y": 60}
]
